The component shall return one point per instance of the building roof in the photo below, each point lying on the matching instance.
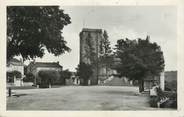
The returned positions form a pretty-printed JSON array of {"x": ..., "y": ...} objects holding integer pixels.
[
  {"x": 47, "y": 64},
  {"x": 91, "y": 30}
]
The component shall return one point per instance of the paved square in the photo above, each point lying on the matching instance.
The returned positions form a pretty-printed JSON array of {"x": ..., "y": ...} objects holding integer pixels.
[{"x": 79, "y": 98}]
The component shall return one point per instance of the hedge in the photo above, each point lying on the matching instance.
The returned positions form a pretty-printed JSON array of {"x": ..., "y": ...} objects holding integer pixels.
[{"x": 47, "y": 77}]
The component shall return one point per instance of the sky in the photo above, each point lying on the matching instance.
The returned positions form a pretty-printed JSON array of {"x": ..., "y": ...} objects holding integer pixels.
[{"x": 159, "y": 22}]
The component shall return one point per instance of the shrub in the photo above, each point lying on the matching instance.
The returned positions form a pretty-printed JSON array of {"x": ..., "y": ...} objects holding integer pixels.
[
  {"x": 47, "y": 77},
  {"x": 65, "y": 74},
  {"x": 29, "y": 78},
  {"x": 84, "y": 71}
]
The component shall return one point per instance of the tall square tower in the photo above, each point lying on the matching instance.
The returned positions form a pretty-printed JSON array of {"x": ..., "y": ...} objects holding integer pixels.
[{"x": 91, "y": 49}]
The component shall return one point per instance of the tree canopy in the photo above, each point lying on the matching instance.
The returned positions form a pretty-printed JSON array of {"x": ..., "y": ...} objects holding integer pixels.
[
  {"x": 106, "y": 57},
  {"x": 139, "y": 58},
  {"x": 105, "y": 49},
  {"x": 84, "y": 71},
  {"x": 66, "y": 74},
  {"x": 32, "y": 29},
  {"x": 48, "y": 76}
]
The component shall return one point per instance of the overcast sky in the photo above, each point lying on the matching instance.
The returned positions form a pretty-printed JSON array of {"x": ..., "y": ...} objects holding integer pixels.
[{"x": 123, "y": 21}]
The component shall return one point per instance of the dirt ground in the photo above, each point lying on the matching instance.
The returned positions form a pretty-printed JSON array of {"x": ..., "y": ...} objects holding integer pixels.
[{"x": 79, "y": 98}]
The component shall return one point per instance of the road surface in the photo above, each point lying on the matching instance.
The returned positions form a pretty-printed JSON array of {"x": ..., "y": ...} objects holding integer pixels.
[{"x": 79, "y": 98}]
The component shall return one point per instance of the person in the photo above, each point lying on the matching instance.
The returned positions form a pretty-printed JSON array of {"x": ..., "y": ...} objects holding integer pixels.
[
  {"x": 154, "y": 95},
  {"x": 154, "y": 90}
]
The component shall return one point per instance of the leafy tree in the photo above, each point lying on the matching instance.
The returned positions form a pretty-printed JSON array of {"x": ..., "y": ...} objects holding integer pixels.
[
  {"x": 84, "y": 71},
  {"x": 107, "y": 47},
  {"x": 65, "y": 74},
  {"x": 47, "y": 77},
  {"x": 106, "y": 57},
  {"x": 32, "y": 29},
  {"x": 29, "y": 78},
  {"x": 139, "y": 59}
]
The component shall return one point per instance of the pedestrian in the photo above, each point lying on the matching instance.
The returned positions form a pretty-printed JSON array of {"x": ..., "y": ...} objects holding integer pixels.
[
  {"x": 154, "y": 95},
  {"x": 153, "y": 90}
]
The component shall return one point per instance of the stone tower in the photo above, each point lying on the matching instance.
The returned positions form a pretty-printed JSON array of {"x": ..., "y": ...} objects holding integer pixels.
[{"x": 91, "y": 49}]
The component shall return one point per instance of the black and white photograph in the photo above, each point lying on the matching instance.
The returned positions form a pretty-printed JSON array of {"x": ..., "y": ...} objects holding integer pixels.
[{"x": 91, "y": 58}]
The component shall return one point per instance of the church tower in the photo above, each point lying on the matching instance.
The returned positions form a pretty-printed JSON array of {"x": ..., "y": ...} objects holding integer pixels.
[{"x": 90, "y": 50}]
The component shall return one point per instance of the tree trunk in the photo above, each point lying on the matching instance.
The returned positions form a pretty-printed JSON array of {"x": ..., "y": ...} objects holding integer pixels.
[{"x": 141, "y": 85}]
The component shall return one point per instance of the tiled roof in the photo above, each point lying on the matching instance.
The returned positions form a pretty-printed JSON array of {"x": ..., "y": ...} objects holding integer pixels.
[
  {"x": 46, "y": 64},
  {"x": 91, "y": 30}
]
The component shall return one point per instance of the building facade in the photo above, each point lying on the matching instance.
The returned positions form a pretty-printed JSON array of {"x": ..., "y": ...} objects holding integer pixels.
[
  {"x": 35, "y": 67},
  {"x": 90, "y": 51},
  {"x": 15, "y": 65}
]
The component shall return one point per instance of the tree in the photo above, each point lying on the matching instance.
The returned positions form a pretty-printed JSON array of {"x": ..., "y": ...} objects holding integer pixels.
[
  {"x": 107, "y": 47},
  {"x": 65, "y": 74},
  {"x": 32, "y": 29},
  {"x": 106, "y": 57},
  {"x": 29, "y": 78},
  {"x": 47, "y": 77},
  {"x": 139, "y": 59},
  {"x": 84, "y": 71}
]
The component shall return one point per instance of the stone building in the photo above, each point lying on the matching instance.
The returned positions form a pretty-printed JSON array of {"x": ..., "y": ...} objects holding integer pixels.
[
  {"x": 12, "y": 66},
  {"x": 35, "y": 67},
  {"x": 15, "y": 65},
  {"x": 90, "y": 50}
]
